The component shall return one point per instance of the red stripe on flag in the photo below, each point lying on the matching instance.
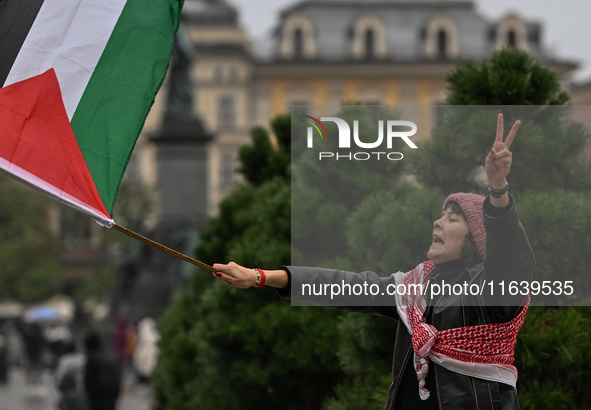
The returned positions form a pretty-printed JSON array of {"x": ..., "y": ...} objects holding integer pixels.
[{"x": 36, "y": 136}]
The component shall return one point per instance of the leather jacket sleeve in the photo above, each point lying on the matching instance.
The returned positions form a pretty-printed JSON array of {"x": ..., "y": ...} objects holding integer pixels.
[
  {"x": 320, "y": 276},
  {"x": 508, "y": 256}
]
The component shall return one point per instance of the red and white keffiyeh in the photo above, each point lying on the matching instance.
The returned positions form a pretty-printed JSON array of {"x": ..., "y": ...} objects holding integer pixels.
[{"x": 483, "y": 351}]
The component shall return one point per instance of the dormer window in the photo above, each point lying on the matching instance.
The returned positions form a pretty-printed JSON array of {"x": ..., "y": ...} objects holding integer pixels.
[
  {"x": 511, "y": 32},
  {"x": 511, "y": 39},
  {"x": 369, "y": 44},
  {"x": 298, "y": 43},
  {"x": 368, "y": 38},
  {"x": 442, "y": 44},
  {"x": 297, "y": 38},
  {"x": 441, "y": 38}
]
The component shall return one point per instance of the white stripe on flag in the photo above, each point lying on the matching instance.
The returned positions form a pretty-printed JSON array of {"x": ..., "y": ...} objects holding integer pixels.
[
  {"x": 54, "y": 192},
  {"x": 70, "y": 37}
]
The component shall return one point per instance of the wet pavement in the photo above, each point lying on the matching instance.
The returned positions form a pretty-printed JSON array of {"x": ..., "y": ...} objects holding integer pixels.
[{"x": 15, "y": 395}]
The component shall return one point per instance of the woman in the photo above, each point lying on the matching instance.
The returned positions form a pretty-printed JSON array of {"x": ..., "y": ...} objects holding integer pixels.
[
  {"x": 146, "y": 350},
  {"x": 462, "y": 346}
]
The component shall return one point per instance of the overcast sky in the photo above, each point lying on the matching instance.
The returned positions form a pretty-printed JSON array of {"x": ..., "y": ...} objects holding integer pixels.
[{"x": 566, "y": 23}]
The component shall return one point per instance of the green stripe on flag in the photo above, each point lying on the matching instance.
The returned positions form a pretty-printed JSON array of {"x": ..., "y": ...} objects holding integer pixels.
[{"x": 121, "y": 91}]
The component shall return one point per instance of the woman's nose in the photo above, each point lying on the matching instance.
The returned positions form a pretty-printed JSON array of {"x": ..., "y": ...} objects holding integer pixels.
[{"x": 437, "y": 223}]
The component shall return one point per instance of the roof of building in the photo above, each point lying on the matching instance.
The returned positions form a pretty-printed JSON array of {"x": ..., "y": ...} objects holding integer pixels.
[
  {"x": 208, "y": 13},
  {"x": 405, "y": 24}
]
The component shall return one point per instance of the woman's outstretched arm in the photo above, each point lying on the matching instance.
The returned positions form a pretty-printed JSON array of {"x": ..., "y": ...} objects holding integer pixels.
[{"x": 240, "y": 277}]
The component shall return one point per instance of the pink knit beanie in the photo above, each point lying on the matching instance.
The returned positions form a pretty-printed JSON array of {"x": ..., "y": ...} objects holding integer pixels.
[{"x": 471, "y": 205}]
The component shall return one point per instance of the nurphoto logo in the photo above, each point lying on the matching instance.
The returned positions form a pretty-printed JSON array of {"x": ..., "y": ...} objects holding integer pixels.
[{"x": 345, "y": 138}]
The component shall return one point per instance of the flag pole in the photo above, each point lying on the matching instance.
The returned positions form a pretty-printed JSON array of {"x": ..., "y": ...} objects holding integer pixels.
[{"x": 163, "y": 248}]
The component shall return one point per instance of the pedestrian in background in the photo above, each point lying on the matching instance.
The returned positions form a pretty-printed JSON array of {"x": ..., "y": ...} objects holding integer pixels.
[
  {"x": 69, "y": 379},
  {"x": 102, "y": 376},
  {"x": 120, "y": 339},
  {"x": 130, "y": 343},
  {"x": 58, "y": 336},
  {"x": 146, "y": 351},
  {"x": 34, "y": 344}
]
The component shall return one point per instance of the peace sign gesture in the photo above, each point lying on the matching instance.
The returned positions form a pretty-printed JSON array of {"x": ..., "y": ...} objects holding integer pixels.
[{"x": 498, "y": 161}]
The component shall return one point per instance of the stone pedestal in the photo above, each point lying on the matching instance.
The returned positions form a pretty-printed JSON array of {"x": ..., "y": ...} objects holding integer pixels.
[
  {"x": 181, "y": 209},
  {"x": 181, "y": 160}
]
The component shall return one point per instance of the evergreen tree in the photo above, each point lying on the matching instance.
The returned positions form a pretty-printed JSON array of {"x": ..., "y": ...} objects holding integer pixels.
[{"x": 550, "y": 148}]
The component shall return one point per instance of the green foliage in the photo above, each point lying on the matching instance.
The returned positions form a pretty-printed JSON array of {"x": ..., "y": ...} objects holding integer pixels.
[
  {"x": 245, "y": 349},
  {"x": 558, "y": 224},
  {"x": 548, "y": 144},
  {"x": 261, "y": 161},
  {"x": 509, "y": 77},
  {"x": 363, "y": 339},
  {"x": 31, "y": 269},
  {"x": 392, "y": 230},
  {"x": 553, "y": 355},
  {"x": 243, "y": 230}
]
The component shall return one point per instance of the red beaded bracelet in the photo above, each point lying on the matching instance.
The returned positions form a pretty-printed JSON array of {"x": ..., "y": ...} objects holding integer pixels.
[{"x": 262, "y": 278}]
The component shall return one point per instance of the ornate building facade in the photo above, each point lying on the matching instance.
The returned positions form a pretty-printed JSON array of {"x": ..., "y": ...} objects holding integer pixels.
[{"x": 324, "y": 52}]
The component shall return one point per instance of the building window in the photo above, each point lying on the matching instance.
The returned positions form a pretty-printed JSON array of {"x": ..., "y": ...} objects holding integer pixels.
[
  {"x": 297, "y": 40},
  {"x": 227, "y": 112},
  {"x": 298, "y": 43},
  {"x": 442, "y": 44},
  {"x": 511, "y": 32},
  {"x": 227, "y": 170},
  {"x": 368, "y": 38},
  {"x": 442, "y": 38},
  {"x": 369, "y": 44},
  {"x": 512, "y": 39},
  {"x": 218, "y": 75},
  {"x": 233, "y": 76}
]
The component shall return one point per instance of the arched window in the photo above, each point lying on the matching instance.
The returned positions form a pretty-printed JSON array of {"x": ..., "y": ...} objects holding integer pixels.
[
  {"x": 298, "y": 43},
  {"x": 442, "y": 43},
  {"x": 511, "y": 32},
  {"x": 370, "y": 51},
  {"x": 512, "y": 39},
  {"x": 297, "y": 38},
  {"x": 441, "y": 39},
  {"x": 368, "y": 38}
]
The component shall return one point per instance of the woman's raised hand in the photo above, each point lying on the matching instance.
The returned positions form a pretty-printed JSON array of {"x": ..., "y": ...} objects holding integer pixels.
[{"x": 498, "y": 161}]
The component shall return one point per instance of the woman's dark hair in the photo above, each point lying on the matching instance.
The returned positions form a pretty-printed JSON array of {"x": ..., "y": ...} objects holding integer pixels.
[{"x": 470, "y": 254}]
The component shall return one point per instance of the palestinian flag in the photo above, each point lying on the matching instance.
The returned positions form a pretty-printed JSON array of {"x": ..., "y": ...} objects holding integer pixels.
[{"x": 78, "y": 78}]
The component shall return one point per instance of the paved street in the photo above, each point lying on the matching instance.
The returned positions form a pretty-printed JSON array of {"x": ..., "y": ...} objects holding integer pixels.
[{"x": 15, "y": 396}]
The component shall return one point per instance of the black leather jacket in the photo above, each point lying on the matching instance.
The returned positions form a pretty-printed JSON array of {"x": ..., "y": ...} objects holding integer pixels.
[{"x": 508, "y": 257}]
